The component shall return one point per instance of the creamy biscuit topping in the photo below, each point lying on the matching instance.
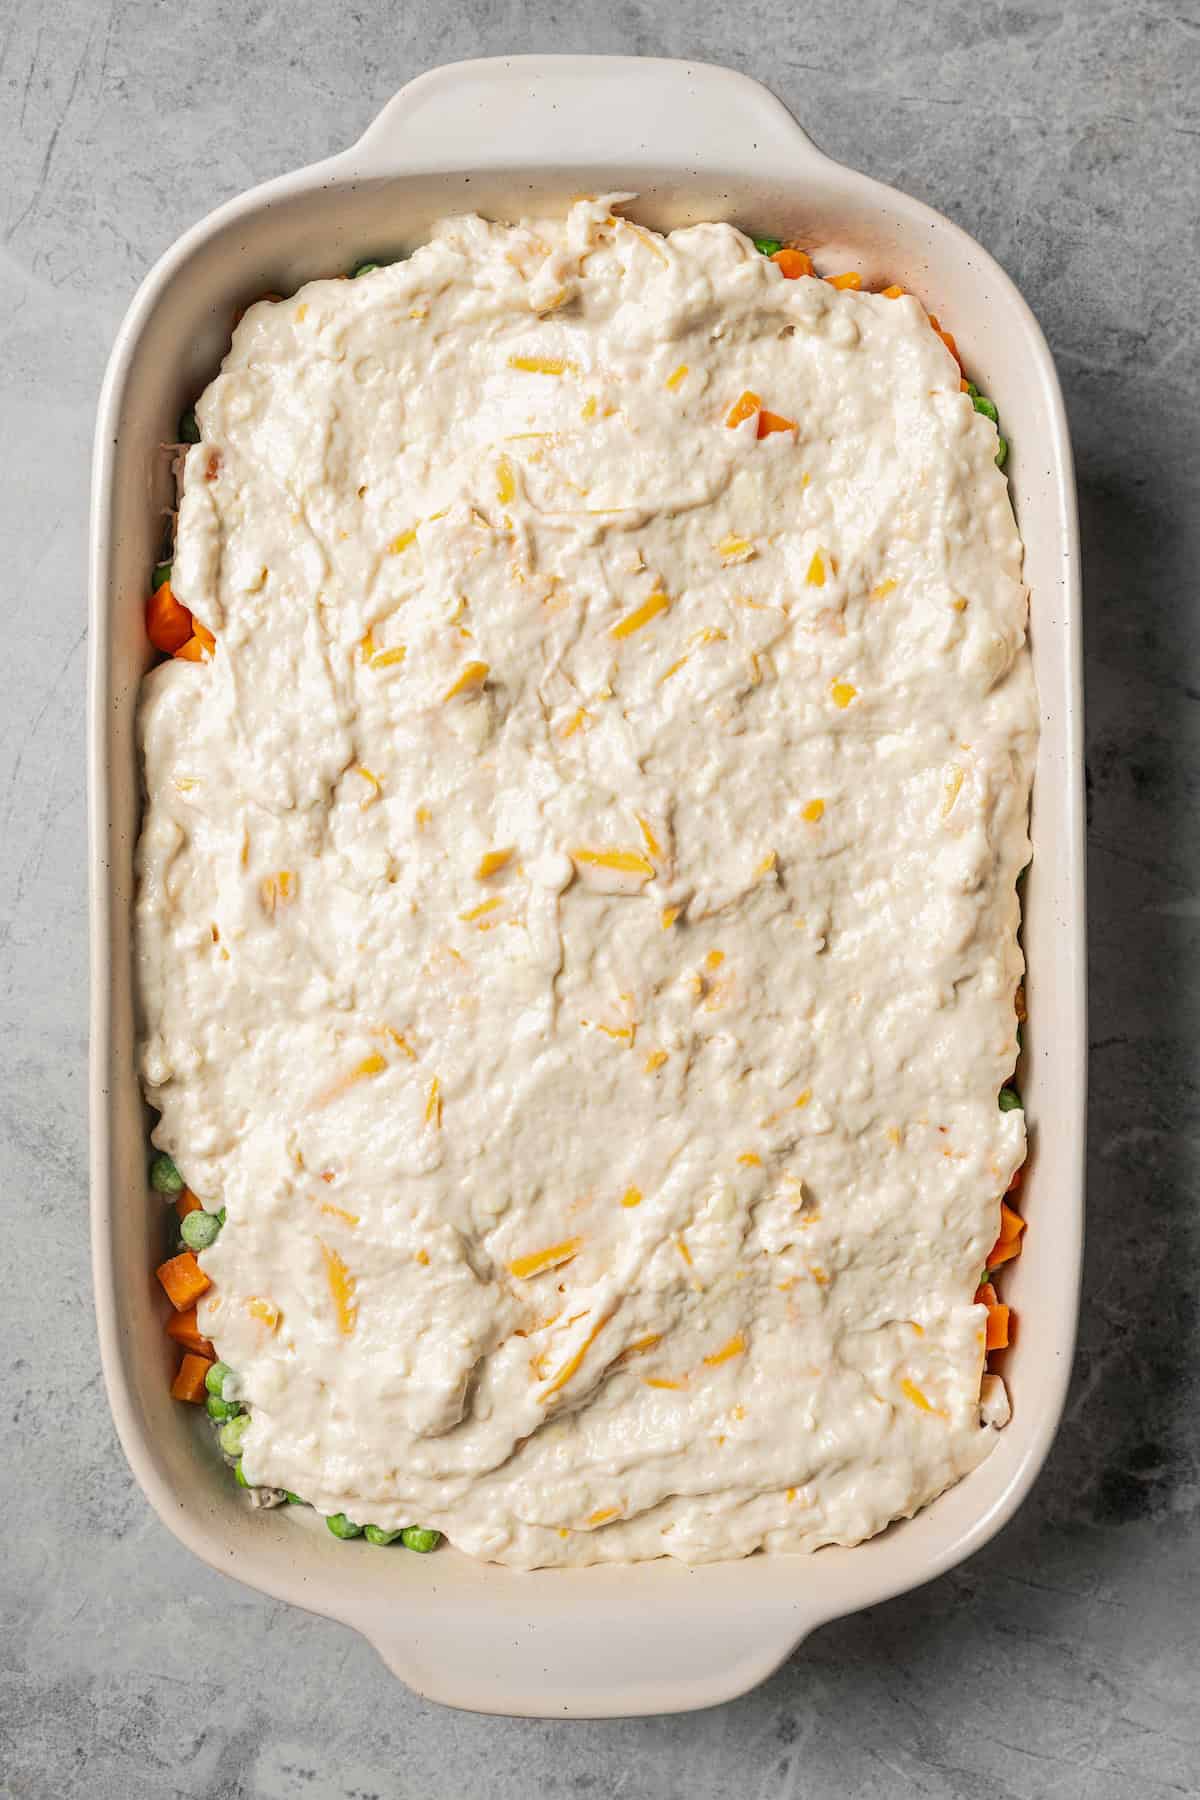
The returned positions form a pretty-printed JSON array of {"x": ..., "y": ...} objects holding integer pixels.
[{"x": 577, "y": 926}]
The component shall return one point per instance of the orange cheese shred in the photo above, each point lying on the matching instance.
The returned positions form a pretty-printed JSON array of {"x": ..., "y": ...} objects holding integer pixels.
[
  {"x": 735, "y": 1347},
  {"x": 552, "y": 1257},
  {"x": 341, "y": 1287},
  {"x": 743, "y": 408},
  {"x": 641, "y": 615},
  {"x": 572, "y": 1364}
]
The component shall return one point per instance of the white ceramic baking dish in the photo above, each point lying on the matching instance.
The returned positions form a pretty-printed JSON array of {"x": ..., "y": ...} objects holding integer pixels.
[{"x": 504, "y": 137}]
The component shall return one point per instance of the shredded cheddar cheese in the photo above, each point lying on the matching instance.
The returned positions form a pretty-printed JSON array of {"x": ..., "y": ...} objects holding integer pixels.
[
  {"x": 641, "y": 615},
  {"x": 652, "y": 843},
  {"x": 574, "y": 1363},
  {"x": 623, "y": 862},
  {"x": 506, "y": 481},
  {"x": 339, "y": 1212},
  {"x": 341, "y": 1287},
  {"x": 951, "y": 789},
  {"x": 523, "y": 1267},
  {"x": 543, "y": 365},
  {"x": 491, "y": 862},
  {"x": 374, "y": 783},
  {"x": 734, "y": 1347},
  {"x": 477, "y": 912},
  {"x": 912, "y": 1392},
  {"x": 469, "y": 682}
]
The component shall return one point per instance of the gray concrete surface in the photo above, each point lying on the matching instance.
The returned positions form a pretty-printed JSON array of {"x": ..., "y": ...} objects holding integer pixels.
[{"x": 1062, "y": 1661}]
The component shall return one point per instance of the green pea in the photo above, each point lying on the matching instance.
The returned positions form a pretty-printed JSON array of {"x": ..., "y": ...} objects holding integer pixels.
[
  {"x": 164, "y": 1176},
  {"x": 767, "y": 246},
  {"x": 189, "y": 426},
  {"x": 1002, "y": 453},
  {"x": 375, "y": 1534},
  {"x": 972, "y": 390},
  {"x": 983, "y": 405},
  {"x": 230, "y": 1435},
  {"x": 214, "y": 1381},
  {"x": 1010, "y": 1100},
  {"x": 219, "y": 1409},
  {"x": 199, "y": 1229},
  {"x": 363, "y": 268},
  {"x": 293, "y": 1499},
  {"x": 239, "y": 1474},
  {"x": 416, "y": 1537},
  {"x": 342, "y": 1527},
  {"x": 162, "y": 572}
]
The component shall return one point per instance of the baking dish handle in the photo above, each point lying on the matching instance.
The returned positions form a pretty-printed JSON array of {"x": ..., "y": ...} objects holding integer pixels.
[
  {"x": 584, "y": 1651},
  {"x": 571, "y": 111}
]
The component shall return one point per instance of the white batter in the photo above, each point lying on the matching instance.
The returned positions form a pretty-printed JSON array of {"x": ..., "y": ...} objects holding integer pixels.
[{"x": 577, "y": 916}]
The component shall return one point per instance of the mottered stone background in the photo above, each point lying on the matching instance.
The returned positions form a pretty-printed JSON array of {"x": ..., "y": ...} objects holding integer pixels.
[{"x": 1062, "y": 1660}]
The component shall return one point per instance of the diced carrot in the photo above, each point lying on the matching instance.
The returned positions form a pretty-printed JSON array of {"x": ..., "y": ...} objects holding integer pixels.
[
  {"x": 769, "y": 422},
  {"x": 189, "y": 1380},
  {"x": 792, "y": 263},
  {"x": 997, "y": 1319},
  {"x": 895, "y": 292},
  {"x": 1003, "y": 1252},
  {"x": 963, "y": 385},
  {"x": 183, "y": 1279},
  {"x": 997, "y": 1327},
  {"x": 183, "y": 1328},
  {"x": 744, "y": 407},
  {"x": 851, "y": 280},
  {"x": 1011, "y": 1224},
  {"x": 168, "y": 623},
  {"x": 947, "y": 339},
  {"x": 187, "y": 1203},
  {"x": 1018, "y": 1177},
  {"x": 201, "y": 641}
]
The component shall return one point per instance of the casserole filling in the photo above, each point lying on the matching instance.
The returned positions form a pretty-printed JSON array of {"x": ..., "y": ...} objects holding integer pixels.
[{"x": 577, "y": 924}]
